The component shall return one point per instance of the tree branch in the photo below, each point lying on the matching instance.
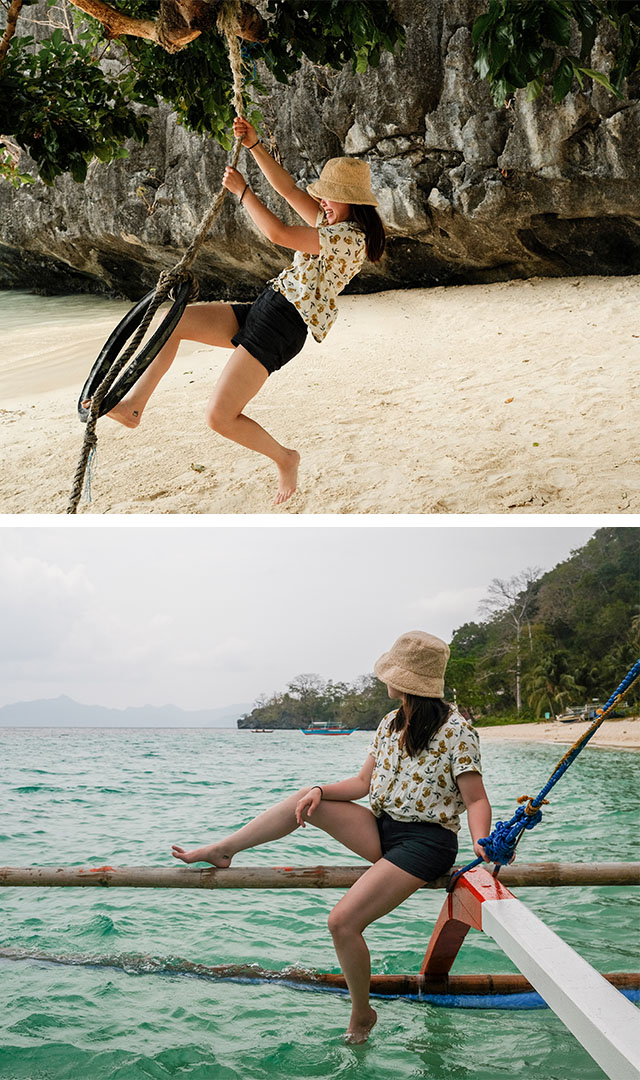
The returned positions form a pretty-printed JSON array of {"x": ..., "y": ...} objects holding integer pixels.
[
  {"x": 180, "y": 21},
  {"x": 10, "y": 28}
]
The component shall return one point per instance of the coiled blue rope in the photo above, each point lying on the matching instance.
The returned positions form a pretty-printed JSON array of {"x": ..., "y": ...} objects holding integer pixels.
[{"x": 500, "y": 846}]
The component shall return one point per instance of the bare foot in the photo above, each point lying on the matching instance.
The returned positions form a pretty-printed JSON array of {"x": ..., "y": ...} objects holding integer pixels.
[
  {"x": 124, "y": 414},
  {"x": 288, "y": 474},
  {"x": 359, "y": 1027},
  {"x": 121, "y": 412},
  {"x": 213, "y": 853}
]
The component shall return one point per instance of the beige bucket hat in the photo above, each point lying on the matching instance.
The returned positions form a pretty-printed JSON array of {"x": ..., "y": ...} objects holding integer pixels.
[
  {"x": 415, "y": 664},
  {"x": 345, "y": 180}
]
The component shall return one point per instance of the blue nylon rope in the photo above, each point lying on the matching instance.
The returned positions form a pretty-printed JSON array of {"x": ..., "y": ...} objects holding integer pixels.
[{"x": 500, "y": 846}]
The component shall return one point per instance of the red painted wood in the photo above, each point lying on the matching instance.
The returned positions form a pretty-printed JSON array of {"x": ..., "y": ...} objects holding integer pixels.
[{"x": 461, "y": 910}]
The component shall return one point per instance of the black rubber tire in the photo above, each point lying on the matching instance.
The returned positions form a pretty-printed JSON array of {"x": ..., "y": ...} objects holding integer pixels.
[{"x": 117, "y": 341}]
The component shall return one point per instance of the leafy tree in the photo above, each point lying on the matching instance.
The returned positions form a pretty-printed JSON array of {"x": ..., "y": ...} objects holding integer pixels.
[
  {"x": 511, "y": 604},
  {"x": 365, "y": 703},
  {"x": 550, "y": 685},
  {"x": 575, "y": 631},
  {"x": 66, "y": 108},
  {"x": 58, "y": 102},
  {"x": 524, "y": 44},
  {"x": 469, "y": 677}
]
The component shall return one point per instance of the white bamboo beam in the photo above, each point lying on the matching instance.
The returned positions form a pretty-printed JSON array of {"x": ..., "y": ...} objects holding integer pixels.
[{"x": 602, "y": 1020}]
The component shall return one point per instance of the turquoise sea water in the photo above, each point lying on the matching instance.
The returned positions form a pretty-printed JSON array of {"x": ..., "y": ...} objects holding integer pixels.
[{"x": 97, "y": 798}]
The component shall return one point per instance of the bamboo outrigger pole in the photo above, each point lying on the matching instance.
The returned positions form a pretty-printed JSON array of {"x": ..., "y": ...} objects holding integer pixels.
[
  {"x": 525, "y": 875},
  {"x": 417, "y": 985}
]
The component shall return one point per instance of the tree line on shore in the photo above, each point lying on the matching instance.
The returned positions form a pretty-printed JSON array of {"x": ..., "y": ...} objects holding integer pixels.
[{"x": 547, "y": 642}]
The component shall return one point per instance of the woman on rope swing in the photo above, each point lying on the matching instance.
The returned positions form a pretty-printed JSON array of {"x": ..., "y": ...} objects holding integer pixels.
[
  {"x": 345, "y": 229},
  {"x": 421, "y": 772}
]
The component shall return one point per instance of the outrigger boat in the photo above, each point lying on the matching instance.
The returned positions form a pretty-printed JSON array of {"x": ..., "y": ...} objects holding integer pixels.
[
  {"x": 595, "y": 1008},
  {"x": 323, "y": 727}
]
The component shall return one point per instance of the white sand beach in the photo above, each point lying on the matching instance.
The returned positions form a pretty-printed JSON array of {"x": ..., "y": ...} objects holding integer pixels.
[
  {"x": 623, "y": 734},
  {"x": 511, "y": 398}
]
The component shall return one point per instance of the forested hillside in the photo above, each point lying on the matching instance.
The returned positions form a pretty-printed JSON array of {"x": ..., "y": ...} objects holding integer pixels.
[{"x": 546, "y": 642}]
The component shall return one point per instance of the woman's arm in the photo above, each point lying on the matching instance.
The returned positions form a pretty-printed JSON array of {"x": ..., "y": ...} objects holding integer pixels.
[
  {"x": 280, "y": 180},
  {"x": 297, "y": 237},
  {"x": 356, "y": 787},
  {"x": 475, "y": 799}
]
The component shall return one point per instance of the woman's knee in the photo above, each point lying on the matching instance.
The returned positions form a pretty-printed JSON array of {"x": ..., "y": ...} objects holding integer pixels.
[
  {"x": 341, "y": 922},
  {"x": 218, "y": 417}
]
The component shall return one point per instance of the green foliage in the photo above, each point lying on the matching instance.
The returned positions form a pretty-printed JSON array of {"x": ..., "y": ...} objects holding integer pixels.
[
  {"x": 59, "y": 104},
  {"x": 307, "y": 698},
  {"x": 550, "y": 683},
  {"x": 528, "y": 43},
  {"x": 585, "y": 630},
  {"x": 584, "y": 636},
  {"x": 9, "y": 170}
]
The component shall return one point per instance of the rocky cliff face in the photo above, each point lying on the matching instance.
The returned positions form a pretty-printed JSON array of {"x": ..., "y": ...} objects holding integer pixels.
[{"x": 469, "y": 193}]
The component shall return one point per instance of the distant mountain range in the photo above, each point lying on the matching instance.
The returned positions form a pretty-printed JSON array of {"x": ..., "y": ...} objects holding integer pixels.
[{"x": 65, "y": 712}]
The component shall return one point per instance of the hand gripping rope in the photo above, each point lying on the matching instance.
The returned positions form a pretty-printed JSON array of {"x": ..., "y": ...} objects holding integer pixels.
[
  {"x": 500, "y": 846},
  {"x": 179, "y": 283}
]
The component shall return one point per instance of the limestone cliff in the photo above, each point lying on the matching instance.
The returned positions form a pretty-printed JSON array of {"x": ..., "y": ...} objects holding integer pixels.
[{"x": 469, "y": 193}]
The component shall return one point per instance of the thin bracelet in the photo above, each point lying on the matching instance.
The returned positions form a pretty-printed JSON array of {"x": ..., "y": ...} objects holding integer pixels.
[
  {"x": 243, "y": 193},
  {"x": 254, "y": 145},
  {"x": 321, "y": 790}
]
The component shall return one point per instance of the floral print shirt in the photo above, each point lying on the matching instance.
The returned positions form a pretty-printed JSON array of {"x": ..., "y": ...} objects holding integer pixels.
[
  {"x": 423, "y": 788},
  {"x": 312, "y": 282}
]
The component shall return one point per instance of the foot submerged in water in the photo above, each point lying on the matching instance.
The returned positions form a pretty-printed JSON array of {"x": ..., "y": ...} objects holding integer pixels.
[
  {"x": 288, "y": 475},
  {"x": 213, "y": 853},
  {"x": 360, "y": 1028}
]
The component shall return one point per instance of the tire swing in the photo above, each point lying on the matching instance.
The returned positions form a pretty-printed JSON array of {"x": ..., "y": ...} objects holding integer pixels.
[
  {"x": 118, "y": 339},
  {"x": 106, "y": 386}
]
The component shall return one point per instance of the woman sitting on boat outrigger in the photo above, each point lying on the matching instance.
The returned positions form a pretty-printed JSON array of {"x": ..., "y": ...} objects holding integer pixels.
[
  {"x": 272, "y": 330},
  {"x": 422, "y": 771}
]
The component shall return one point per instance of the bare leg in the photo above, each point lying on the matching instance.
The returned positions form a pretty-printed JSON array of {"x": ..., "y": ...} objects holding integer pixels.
[
  {"x": 377, "y": 892},
  {"x": 212, "y": 324},
  {"x": 351, "y": 824},
  {"x": 239, "y": 382}
]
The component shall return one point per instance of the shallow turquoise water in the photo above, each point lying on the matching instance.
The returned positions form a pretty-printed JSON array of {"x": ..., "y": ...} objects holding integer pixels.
[{"x": 122, "y": 797}]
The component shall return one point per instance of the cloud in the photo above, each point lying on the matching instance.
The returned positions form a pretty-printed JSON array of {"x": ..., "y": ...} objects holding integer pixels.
[
  {"x": 40, "y": 601},
  {"x": 454, "y": 605},
  {"x": 56, "y": 624},
  {"x": 73, "y": 630}
]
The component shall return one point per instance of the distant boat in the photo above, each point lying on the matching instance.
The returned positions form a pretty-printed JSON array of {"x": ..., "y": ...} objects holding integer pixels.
[
  {"x": 587, "y": 712},
  {"x": 323, "y": 727},
  {"x": 262, "y": 730}
]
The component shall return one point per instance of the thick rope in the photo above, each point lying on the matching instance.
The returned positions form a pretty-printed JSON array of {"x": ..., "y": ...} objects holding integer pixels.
[
  {"x": 500, "y": 846},
  {"x": 228, "y": 22}
]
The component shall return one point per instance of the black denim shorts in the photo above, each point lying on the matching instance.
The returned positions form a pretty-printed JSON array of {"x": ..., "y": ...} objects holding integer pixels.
[
  {"x": 422, "y": 848},
  {"x": 270, "y": 329}
]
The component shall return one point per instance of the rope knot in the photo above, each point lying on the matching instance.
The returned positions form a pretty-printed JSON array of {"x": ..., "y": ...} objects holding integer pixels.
[
  {"x": 170, "y": 279},
  {"x": 531, "y": 810}
]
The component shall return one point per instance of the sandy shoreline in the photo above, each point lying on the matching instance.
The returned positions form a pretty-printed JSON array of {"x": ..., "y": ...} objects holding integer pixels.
[
  {"x": 619, "y": 734},
  {"x": 516, "y": 397}
]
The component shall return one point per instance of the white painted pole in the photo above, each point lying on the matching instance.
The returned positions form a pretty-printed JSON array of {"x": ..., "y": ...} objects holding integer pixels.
[{"x": 600, "y": 1017}]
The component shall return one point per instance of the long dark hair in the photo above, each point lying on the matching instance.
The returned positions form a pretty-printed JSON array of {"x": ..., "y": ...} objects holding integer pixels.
[
  {"x": 420, "y": 718},
  {"x": 368, "y": 219}
]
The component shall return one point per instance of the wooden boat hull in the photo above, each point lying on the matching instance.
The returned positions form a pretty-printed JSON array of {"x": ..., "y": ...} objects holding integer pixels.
[{"x": 315, "y": 731}]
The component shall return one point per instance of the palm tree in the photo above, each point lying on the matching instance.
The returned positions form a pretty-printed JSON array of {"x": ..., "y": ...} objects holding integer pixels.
[{"x": 550, "y": 685}]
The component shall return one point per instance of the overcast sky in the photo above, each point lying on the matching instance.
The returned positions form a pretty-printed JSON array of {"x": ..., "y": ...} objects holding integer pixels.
[{"x": 209, "y": 616}]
